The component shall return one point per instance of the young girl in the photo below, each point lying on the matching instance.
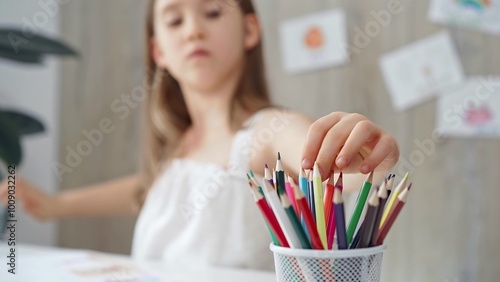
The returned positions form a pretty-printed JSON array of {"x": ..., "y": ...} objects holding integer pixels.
[{"x": 209, "y": 122}]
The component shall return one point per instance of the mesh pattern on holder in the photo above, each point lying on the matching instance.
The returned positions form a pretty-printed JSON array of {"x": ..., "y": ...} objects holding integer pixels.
[{"x": 299, "y": 265}]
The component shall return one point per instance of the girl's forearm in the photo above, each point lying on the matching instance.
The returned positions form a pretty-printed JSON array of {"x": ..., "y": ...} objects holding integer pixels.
[{"x": 110, "y": 198}]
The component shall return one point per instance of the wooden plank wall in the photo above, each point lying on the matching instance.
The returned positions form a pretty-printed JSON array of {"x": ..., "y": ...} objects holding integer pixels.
[
  {"x": 448, "y": 229},
  {"x": 109, "y": 37}
]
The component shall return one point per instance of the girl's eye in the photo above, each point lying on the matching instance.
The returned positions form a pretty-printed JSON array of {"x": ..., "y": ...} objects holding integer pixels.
[
  {"x": 175, "y": 22},
  {"x": 213, "y": 14}
]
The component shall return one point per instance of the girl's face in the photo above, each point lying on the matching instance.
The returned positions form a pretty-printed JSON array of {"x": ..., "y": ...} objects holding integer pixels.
[{"x": 202, "y": 42}]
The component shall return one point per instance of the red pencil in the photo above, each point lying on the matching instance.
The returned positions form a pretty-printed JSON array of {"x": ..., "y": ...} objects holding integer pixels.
[
  {"x": 391, "y": 218},
  {"x": 339, "y": 185},
  {"x": 308, "y": 218},
  {"x": 327, "y": 199},
  {"x": 289, "y": 193},
  {"x": 270, "y": 217}
]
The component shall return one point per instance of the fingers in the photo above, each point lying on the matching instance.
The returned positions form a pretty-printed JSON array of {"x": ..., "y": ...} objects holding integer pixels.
[
  {"x": 385, "y": 145},
  {"x": 317, "y": 132},
  {"x": 338, "y": 140},
  {"x": 362, "y": 133},
  {"x": 332, "y": 144}
]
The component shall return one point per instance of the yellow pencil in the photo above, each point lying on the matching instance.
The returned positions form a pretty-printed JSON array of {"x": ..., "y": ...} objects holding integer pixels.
[
  {"x": 393, "y": 198},
  {"x": 318, "y": 205}
]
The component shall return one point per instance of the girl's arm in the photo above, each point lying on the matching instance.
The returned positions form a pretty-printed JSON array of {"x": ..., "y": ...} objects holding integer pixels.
[
  {"x": 109, "y": 198},
  {"x": 115, "y": 197},
  {"x": 302, "y": 141}
]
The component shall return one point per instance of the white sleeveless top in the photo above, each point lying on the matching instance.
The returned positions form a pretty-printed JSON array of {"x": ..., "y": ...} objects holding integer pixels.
[{"x": 199, "y": 213}]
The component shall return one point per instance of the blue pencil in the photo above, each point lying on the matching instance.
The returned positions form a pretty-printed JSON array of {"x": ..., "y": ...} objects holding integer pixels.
[{"x": 340, "y": 219}]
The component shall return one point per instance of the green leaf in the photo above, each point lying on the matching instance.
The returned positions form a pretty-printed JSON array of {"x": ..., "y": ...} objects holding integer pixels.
[
  {"x": 24, "y": 124},
  {"x": 10, "y": 143},
  {"x": 16, "y": 43}
]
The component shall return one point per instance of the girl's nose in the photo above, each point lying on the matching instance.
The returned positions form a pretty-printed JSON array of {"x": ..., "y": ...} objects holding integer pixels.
[{"x": 194, "y": 29}]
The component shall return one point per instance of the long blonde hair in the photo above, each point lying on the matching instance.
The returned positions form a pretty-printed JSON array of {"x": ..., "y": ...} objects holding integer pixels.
[{"x": 167, "y": 117}]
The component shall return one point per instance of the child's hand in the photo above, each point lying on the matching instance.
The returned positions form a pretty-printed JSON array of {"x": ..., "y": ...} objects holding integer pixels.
[
  {"x": 349, "y": 143},
  {"x": 34, "y": 201}
]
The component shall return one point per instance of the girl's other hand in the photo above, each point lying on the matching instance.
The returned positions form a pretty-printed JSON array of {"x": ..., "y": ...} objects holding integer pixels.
[
  {"x": 34, "y": 201},
  {"x": 349, "y": 143}
]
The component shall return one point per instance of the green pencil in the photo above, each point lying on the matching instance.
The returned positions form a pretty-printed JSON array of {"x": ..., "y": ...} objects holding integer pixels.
[
  {"x": 358, "y": 208},
  {"x": 287, "y": 205}
]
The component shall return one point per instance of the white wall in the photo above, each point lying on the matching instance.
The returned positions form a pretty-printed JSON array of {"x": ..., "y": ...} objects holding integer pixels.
[{"x": 35, "y": 90}]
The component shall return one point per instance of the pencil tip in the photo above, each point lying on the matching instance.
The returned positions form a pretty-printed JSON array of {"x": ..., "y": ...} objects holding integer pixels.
[
  {"x": 370, "y": 177},
  {"x": 265, "y": 165},
  {"x": 409, "y": 186},
  {"x": 279, "y": 156},
  {"x": 251, "y": 174}
]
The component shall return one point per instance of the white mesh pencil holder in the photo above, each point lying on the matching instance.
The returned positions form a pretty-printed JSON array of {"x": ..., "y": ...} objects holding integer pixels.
[{"x": 297, "y": 265}]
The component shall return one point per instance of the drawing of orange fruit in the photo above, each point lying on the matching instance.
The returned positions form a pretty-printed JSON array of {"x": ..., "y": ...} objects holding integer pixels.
[{"x": 314, "y": 38}]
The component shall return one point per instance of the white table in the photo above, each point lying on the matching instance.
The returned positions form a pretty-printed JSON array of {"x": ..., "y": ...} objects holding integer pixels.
[{"x": 34, "y": 262}]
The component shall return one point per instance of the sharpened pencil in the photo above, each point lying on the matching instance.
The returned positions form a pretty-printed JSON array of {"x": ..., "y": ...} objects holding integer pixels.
[
  {"x": 308, "y": 218},
  {"x": 358, "y": 208},
  {"x": 338, "y": 204},
  {"x": 281, "y": 216},
  {"x": 391, "y": 218},
  {"x": 286, "y": 203},
  {"x": 369, "y": 221},
  {"x": 318, "y": 202},
  {"x": 392, "y": 199}
]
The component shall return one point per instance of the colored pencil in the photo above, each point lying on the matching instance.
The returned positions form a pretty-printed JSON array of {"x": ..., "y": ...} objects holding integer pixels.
[
  {"x": 338, "y": 184},
  {"x": 369, "y": 221},
  {"x": 274, "y": 181},
  {"x": 382, "y": 195},
  {"x": 357, "y": 237},
  {"x": 308, "y": 218},
  {"x": 328, "y": 198},
  {"x": 310, "y": 188},
  {"x": 338, "y": 204},
  {"x": 270, "y": 218},
  {"x": 319, "y": 208},
  {"x": 358, "y": 208},
  {"x": 280, "y": 176},
  {"x": 289, "y": 193},
  {"x": 303, "y": 187},
  {"x": 279, "y": 212},
  {"x": 332, "y": 226},
  {"x": 267, "y": 175},
  {"x": 293, "y": 200},
  {"x": 330, "y": 230},
  {"x": 287, "y": 205},
  {"x": 392, "y": 199},
  {"x": 391, "y": 218},
  {"x": 390, "y": 184}
]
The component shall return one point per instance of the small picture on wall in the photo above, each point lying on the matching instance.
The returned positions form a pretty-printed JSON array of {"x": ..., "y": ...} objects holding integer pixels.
[
  {"x": 482, "y": 15},
  {"x": 470, "y": 109},
  {"x": 314, "y": 41},
  {"x": 416, "y": 73}
]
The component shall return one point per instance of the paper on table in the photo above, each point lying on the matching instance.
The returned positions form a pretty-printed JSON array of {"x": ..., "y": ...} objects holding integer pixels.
[
  {"x": 416, "y": 73},
  {"x": 483, "y": 15},
  {"x": 470, "y": 109},
  {"x": 314, "y": 41},
  {"x": 81, "y": 266}
]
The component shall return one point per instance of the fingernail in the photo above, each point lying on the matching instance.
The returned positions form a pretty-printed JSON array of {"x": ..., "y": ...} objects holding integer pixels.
[
  {"x": 341, "y": 162},
  {"x": 365, "y": 169},
  {"x": 306, "y": 163}
]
